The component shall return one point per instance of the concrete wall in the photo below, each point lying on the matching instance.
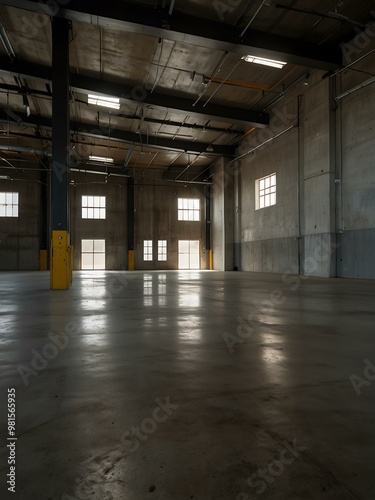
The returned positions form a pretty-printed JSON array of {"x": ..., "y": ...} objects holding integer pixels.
[
  {"x": 318, "y": 227},
  {"x": 19, "y": 237},
  {"x": 156, "y": 218},
  {"x": 113, "y": 229},
  {"x": 356, "y": 194},
  {"x": 266, "y": 240},
  {"x": 318, "y": 179},
  {"x": 269, "y": 235}
]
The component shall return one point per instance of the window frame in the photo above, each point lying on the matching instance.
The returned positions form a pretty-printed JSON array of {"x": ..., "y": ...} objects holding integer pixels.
[
  {"x": 189, "y": 209},
  {"x": 162, "y": 250},
  {"x": 11, "y": 207},
  {"x": 93, "y": 252},
  {"x": 188, "y": 244},
  {"x": 93, "y": 204},
  {"x": 266, "y": 191},
  {"x": 148, "y": 251}
]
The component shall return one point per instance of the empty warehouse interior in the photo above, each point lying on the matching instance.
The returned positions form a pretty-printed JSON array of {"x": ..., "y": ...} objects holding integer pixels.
[{"x": 187, "y": 236}]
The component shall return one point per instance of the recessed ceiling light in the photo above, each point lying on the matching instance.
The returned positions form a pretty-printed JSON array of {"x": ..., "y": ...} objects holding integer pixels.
[
  {"x": 101, "y": 159},
  {"x": 107, "y": 102},
  {"x": 265, "y": 62}
]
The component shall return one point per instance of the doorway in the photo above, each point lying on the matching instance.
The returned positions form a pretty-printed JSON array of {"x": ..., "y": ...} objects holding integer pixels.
[
  {"x": 188, "y": 254},
  {"x": 93, "y": 255}
]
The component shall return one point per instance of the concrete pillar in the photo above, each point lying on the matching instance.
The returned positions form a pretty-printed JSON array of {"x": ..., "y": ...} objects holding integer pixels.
[
  {"x": 222, "y": 217},
  {"x": 131, "y": 256},
  {"x": 44, "y": 236},
  {"x": 61, "y": 274},
  {"x": 237, "y": 228},
  {"x": 319, "y": 240},
  {"x": 228, "y": 217},
  {"x": 208, "y": 246}
]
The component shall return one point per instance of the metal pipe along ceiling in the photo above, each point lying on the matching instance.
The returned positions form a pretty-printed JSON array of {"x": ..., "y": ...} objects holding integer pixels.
[
  {"x": 264, "y": 2},
  {"x": 24, "y": 149},
  {"x": 355, "y": 89},
  {"x": 263, "y": 143}
]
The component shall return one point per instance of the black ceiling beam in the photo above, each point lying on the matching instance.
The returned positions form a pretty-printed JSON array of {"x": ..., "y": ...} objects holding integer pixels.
[
  {"x": 122, "y": 15},
  {"x": 130, "y": 94},
  {"x": 23, "y": 90},
  {"x": 180, "y": 105},
  {"x": 192, "y": 126},
  {"x": 171, "y": 123},
  {"x": 89, "y": 130}
]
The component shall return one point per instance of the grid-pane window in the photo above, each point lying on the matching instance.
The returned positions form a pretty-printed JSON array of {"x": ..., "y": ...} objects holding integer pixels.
[
  {"x": 189, "y": 209},
  {"x": 147, "y": 250},
  {"x": 8, "y": 204},
  {"x": 265, "y": 191},
  {"x": 93, "y": 254},
  {"x": 93, "y": 207},
  {"x": 162, "y": 250}
]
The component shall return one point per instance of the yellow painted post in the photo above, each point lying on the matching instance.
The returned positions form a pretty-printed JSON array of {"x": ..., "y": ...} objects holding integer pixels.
[
  {"x": 60, "y": 261},
  {"x": 211, "y": 260},
  {"x": 71, "y": 249},
  {"x": 43, "y": 260},
  {"x": 131, "y": 264}
]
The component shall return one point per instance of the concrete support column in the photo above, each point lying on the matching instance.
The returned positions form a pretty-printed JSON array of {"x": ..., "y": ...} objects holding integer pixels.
[
  {"x": 131, "y": 256},
  {"x": 228, "y": 217},
  {"x": 208, "y": 194},
  {"x": 61, "y": 273},
  {"x": 319, "y": 249},
  {"x": 44, "y": 236},
  {"x": 222, "y": 217},
  {"x": 237, "y": 230}
]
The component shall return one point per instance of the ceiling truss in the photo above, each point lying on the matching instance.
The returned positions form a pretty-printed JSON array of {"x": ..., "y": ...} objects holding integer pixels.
[{"x": 127, "y": 16}]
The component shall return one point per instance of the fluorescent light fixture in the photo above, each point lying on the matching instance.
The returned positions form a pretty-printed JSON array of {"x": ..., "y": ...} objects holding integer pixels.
[
  {"x": 101, "y": 159},
  {"x": 5, "y": 177},
  {"x": 107, "y": 102},
  {"x": 264, "y": 62}
]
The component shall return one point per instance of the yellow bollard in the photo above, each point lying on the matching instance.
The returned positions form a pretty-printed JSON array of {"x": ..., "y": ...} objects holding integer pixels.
[
  {"x": 60, "y": 261},
  {"x": 43, "y": 260},
  {"x": 131, "y": 262}
]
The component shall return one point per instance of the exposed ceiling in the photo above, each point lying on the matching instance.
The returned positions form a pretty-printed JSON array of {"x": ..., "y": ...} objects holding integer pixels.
[{"x": 187, "y": 96}]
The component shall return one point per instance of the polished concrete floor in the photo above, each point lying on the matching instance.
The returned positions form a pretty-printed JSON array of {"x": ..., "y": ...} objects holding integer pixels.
[{"x": 189, "y": 385}]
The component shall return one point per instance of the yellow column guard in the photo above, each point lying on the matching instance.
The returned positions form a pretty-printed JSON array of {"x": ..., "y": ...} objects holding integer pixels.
[
  {"x": 131, "y": 260},
  {"x": 60, "y": 261}
]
